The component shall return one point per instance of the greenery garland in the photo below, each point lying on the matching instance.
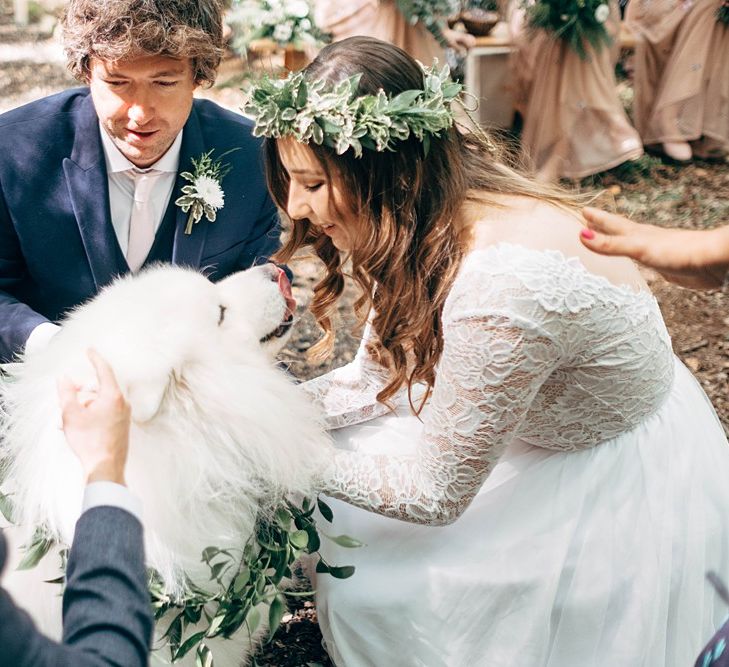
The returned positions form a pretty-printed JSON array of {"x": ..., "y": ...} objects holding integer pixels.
[
  {"x": 258, "y": 576},
  {"x": 431, "y": 13},
  {"x": 576, "y": 22}
]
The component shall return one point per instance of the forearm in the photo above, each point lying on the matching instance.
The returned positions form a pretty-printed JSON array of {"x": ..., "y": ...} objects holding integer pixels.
[
  {"x": 718, "y": 246},
  {"x": 106, "y": 603},
  {"x": 348, "y": 394}
]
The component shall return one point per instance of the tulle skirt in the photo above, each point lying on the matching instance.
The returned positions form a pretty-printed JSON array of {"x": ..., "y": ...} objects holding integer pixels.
[{"x": 563, "y": 559}]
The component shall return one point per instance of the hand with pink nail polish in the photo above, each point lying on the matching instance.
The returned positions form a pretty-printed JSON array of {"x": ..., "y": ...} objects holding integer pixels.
[{"x": 690, "y": 258}]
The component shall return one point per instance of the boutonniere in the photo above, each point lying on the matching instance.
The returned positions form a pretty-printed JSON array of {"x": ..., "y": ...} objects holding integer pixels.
[{"x": 204, "y": 195}]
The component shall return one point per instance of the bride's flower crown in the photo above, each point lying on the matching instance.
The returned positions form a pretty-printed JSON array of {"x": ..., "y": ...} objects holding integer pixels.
[{"x": 335, "y": 116}]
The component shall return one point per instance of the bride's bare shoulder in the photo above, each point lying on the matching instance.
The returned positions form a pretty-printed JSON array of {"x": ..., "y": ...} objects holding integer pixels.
[
  {"x": 541, "y": 225},
  {"x": 526, "y": 221}
]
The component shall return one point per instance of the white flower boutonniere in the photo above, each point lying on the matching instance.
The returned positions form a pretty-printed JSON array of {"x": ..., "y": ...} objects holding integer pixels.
[{"x": 205, "y": 195}]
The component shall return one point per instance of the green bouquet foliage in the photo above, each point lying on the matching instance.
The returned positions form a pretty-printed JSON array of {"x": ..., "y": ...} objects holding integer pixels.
[{"x": 576, "y": 22}]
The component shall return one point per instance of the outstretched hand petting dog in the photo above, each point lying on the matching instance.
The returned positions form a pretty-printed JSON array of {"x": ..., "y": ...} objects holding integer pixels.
[{"x": 96, "y": 423}]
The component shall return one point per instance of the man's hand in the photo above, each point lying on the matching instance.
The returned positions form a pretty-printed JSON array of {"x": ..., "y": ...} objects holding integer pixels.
[
  {"x": 696, "y": 259},
  {"x": 97, "y": 425}
]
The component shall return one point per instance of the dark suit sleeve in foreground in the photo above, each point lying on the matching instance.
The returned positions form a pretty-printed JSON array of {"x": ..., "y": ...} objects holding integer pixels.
[{"x": 106, "y": 610}]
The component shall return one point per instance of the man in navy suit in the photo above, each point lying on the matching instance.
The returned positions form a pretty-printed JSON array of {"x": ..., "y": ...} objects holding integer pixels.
[
  {"x": 107, "y": 618},
  {"x": 72, "y": 212}
]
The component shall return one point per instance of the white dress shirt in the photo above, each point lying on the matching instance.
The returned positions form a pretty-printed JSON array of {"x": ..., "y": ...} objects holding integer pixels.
[
  {"x": 110, "y": 494},
  {"x": 121, "y": 201},
  {"x": 121, "y": 185}
]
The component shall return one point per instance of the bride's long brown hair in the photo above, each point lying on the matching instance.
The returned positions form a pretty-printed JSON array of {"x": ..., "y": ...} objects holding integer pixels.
[{"x": 411, "y": 235}]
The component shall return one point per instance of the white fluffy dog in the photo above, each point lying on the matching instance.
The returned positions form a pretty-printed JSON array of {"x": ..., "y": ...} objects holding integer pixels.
[{"x": 217, "y": 433}]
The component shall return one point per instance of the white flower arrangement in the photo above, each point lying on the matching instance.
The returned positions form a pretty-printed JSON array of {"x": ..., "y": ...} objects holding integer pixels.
[
  {"x": 287, "y": 22},
  {"x": 204, "y": 195}
]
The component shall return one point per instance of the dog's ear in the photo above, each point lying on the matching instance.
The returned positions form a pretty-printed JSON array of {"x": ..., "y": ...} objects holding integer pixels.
[{"x": 145, "y": 396}]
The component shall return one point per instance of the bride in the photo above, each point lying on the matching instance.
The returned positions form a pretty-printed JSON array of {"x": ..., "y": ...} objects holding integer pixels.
[{"x": 536, "y": 477}]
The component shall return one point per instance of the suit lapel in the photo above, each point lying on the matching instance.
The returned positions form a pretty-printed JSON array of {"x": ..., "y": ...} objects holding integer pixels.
[
  {"x": 187, "y": 248},
  {"x": 88, "y": 189}
]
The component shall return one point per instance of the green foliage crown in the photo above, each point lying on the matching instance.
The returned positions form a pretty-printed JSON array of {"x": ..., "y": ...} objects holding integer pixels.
[{"x": 335, "y": 116}]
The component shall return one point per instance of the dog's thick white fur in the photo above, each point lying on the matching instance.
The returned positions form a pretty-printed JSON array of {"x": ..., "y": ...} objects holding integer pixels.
[{"x": 217, "y": 431}]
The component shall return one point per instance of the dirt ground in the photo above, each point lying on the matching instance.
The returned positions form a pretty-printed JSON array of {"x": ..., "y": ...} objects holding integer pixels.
[{"x": 692, "y": 196}]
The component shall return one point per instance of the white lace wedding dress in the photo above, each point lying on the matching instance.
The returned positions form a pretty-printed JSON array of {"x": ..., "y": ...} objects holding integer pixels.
[{"x": 560, "y": 501}]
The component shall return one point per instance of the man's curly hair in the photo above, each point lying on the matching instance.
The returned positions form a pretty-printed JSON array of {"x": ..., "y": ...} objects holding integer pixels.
[{"x": 114, "y": 30}]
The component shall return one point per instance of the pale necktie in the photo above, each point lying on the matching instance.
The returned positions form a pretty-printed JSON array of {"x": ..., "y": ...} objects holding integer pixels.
[{"x": 143, "y": 223}]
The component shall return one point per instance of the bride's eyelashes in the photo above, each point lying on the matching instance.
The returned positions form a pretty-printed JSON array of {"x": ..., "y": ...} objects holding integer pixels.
[{"x": 313, "y": 188}]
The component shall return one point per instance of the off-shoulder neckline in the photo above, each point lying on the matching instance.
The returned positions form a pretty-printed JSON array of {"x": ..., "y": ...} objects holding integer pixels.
[{"x": 573, "y": 261}]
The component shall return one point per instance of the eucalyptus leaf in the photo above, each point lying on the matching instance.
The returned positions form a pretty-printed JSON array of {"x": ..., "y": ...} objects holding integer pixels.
[
  {"x": 325, "y": 510},
  {"x": 204, "y": 657},
  {"x": 217, "y": 569},
  {"x": 6, "y": 507},
  {"x": 322, "y": 567},
  {"x": 343, "y": 572},
  {"x": 35, "y": 552},
  {"x": 209, "y": 553},
  {"x": 404, "y": 100},
  {"x": 190, "y": 643},
  {"x": 253, "y": 620},
  {"x": 345, "y": 541},
  {"x": 215, "y": 625},
  {"x": 241, "y": 579},
  {"x": 300, "y": 539},
  {"x": 275, "y": 613},
  {"x": 283, "y": 518}
]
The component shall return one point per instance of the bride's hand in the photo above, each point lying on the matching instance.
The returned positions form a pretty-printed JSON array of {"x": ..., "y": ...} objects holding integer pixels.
[{"x": 696, "y": 259}]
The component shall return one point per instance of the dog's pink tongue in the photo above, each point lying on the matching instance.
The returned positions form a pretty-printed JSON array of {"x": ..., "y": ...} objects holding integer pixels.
[{"x": 285, "y": 286}]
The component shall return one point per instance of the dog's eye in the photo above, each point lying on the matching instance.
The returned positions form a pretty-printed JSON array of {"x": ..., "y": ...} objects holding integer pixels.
[{"x": 222, "y": 314}]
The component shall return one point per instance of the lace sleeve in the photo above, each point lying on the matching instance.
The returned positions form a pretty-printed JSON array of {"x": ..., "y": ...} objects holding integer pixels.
[
  {"x": 348, "y": 394},
  {"x": 489, "y": 373}
]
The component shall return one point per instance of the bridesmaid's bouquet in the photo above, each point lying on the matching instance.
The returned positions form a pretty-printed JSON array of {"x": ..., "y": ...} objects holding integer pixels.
[
  {"x": 722, "y": 14},
  {"x": 577, "y": 22},
  {"x": 431, "y": 13},
  {"x": 287, "y": 22}
]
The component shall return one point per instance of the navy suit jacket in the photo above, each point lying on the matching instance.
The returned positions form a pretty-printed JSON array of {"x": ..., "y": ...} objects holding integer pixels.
[
  {"x": 107, "y": 617},
  {"x": 57, "y": 244}
]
